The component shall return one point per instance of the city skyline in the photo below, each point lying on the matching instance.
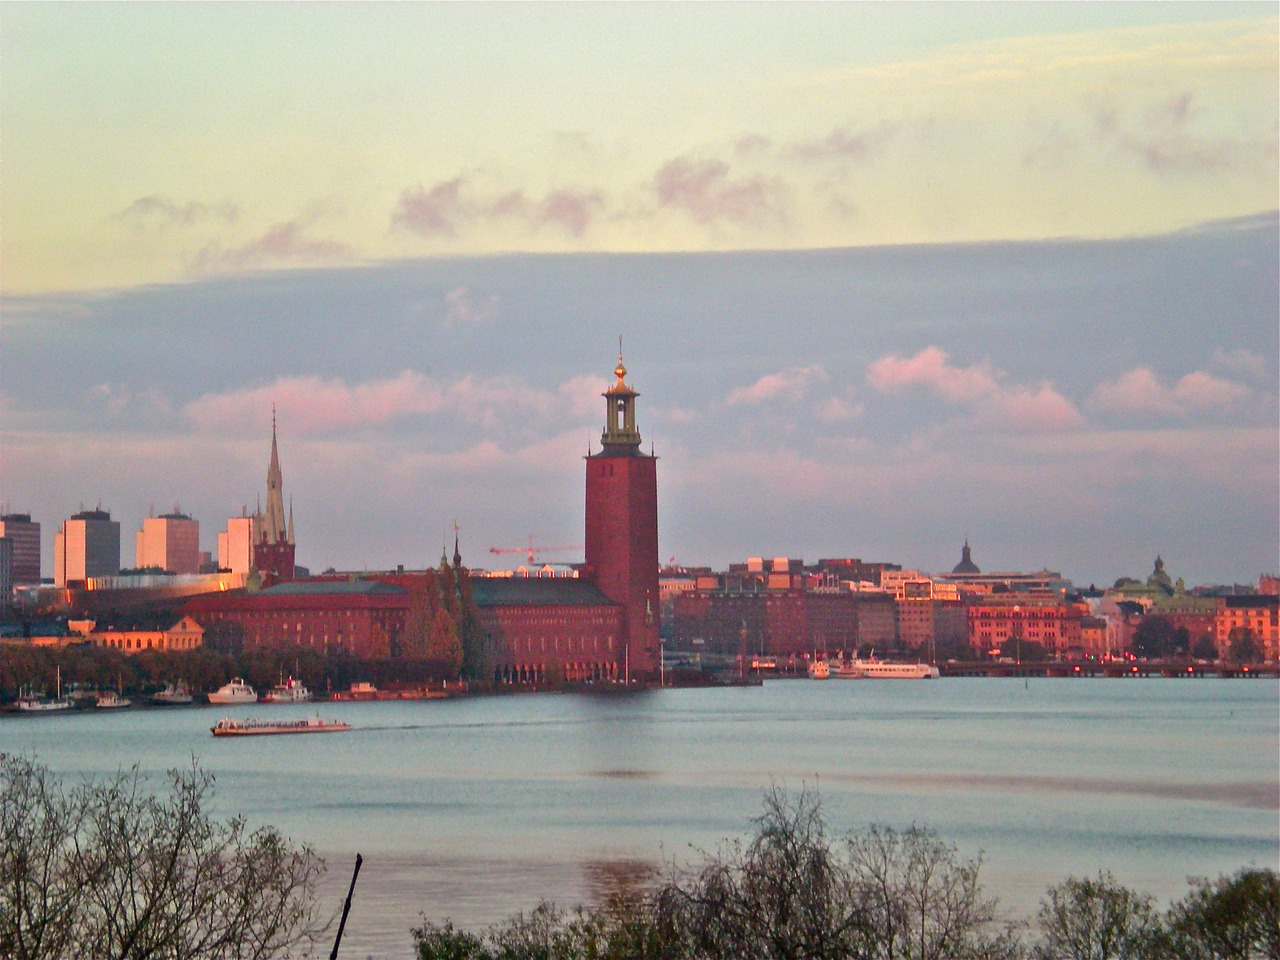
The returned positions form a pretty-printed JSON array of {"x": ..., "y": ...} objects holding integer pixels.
[{"x": 1010, "y": 274}]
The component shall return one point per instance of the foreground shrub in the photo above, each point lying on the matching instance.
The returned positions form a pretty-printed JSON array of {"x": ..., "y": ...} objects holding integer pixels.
[{"x": 108, "y": 869}]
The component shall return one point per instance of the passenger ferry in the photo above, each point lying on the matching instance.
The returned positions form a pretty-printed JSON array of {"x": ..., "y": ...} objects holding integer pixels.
[
  {"x": 819, "y": 669},
  {"x": 237, "y": 691},
  {"x": 226, "y": 727},
  {"x": 874, "y": 669},
  {"x": 172, "y": 696}
]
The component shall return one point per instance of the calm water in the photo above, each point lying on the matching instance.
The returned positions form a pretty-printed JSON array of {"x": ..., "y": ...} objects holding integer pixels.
[{"x": 474, "y": 809}]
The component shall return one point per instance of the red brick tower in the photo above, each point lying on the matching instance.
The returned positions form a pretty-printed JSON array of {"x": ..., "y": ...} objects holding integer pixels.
[{"x": 622, "y": 529}]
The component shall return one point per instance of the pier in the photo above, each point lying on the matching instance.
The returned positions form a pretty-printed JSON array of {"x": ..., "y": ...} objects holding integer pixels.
[{"x": 1108, "y": 668}]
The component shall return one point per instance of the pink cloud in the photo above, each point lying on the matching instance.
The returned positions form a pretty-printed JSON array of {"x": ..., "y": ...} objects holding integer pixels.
[
  {"x": 705, "y": 190},
  {"x": 282, "y": 243},
  {"x": 153, "y": 208},
  {"x": 312, "y": 405},
  {"x": 573, "y": 211},
  {"x": 931, "y": 368},
  {"x": 1140, "y": 392},
  {"x": 431, "y": 213},
  {"x": 997, "y": 404},
  {"x": 790, "y": 384},
  {"x": 840, "y": 144}
]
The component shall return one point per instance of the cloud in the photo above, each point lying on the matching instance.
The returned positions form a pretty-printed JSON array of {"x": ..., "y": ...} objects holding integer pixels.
[
  {"x": 431, "y": 213},
  {"x": 312, "y": 405},
  {"x": 1139, "y": 392},
  {"x": 152, "y": 209},
  {"x": 282, "y": 243},
  {"x": 790, "y": 384},
  {"x": 448, "y": 209},
  {"x": 1242, "y": 362},
  {"x": 463, "y": 309},
  {"x": 997, "y": 404},
  {"x": 705, "y": 190},
  {"x": 930, "y": 368},
  {"x": 843, "y": 145},
  {"x": 117, "y": 400}
]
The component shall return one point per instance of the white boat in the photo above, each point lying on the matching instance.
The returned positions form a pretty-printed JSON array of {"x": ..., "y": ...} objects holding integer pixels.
[
  {"x": 172, "y": 696},
  {"x": 111, "y": 701},
  {"x": 819, "y": 669},
  {"x": 226, "y": 727},
  {"x": 29, "y": 702},
  {"x": 874, "y": 669},
  {"x": 291, "y": 691},
  {"x": 237, "y": 691}
]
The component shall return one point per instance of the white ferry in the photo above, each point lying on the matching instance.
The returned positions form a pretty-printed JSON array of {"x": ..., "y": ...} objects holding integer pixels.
[
  {"x": 290, "y": 691},
  {"x": 874, "y": 669},
  {"x": 819, "y": 669},
  {"x": 237, "y": 691},
  {"x": 226, "y": 727},
  {"x": 111, "y": 701}
]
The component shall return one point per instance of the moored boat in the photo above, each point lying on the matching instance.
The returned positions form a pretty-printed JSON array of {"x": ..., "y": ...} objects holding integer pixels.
[
  {"x": 29, "y": 702},
  {"x": 874, "y": 669},
  {"x": 819, "y": 669},
  {"x": 237, "y": 691},
  {"x": 226, "y": 727},
  {"x": 111, "y": 701},
  {"x": 172, "y": 696},
  {"x": 290, "y": 691}
]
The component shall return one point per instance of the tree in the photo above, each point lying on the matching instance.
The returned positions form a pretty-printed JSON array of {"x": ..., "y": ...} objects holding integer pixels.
[
  {"x": 1204, "y": 648},
  {"x": 1019, "y": 649},
  {"x": 1154, "y": 637},
  {"x": 1095, "y": 919},
  {"x": 107, "y": 869},
  {"x": 1235, "y": 917},
  {"x": 1243, "y": 645}
]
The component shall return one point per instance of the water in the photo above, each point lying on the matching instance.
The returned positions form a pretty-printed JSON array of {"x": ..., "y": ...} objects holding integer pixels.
[{"x": 474, "y": 809}]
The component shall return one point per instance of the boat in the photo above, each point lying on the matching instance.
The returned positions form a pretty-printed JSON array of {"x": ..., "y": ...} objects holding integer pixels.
[
  {"x": 819, "y": 669},
  {"x": 237, "y": 691},
  {"x": 172, "y": 696},
  {"x": 226, "y": 727},
  {"x": 290, "y": 691},
  {"x": 874, "y": 669},
  {"x": 111, "y": 701},
  {"x": 29, "y": 702}
]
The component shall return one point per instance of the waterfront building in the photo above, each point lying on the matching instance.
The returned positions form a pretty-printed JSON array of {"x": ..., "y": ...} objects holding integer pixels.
[
  {"x": 184, "y": 634},
  {"x": 170, "y": 542},
  {"x": 780, "y": 609},
  {"x": 1054, "y": 624},
  {"x": 622, "y": 527},
  {"x": 87, "y": 545},
  {"x": 24, "y": 533},
  {"x": 598, "y": 623},
  {"x": 1257, "y": 613}
]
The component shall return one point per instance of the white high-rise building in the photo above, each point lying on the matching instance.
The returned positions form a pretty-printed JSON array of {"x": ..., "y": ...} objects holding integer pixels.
[{"x": 235, "y": 545}]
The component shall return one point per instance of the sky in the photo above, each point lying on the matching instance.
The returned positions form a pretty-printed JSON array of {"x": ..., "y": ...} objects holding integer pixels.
[{"x": 889, "y": 275}]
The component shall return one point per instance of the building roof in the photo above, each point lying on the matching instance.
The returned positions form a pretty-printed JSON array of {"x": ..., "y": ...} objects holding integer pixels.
[
  {"x": 536, "y": 592},
  {"x": 305, "y": 588}
]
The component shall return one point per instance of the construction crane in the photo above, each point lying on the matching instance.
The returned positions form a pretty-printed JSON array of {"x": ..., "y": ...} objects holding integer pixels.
[{"x": 531, "y": 550}]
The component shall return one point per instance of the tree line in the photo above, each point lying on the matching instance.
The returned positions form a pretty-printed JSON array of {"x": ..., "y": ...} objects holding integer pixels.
[{"x": 114, "y": 869}]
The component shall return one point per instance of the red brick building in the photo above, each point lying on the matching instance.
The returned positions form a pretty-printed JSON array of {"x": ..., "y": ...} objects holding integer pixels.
[{"x": 601, "y": 626}]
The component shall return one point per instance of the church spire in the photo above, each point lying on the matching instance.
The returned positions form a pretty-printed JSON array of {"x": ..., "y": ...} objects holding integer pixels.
[{"x": 274, "y": 525}]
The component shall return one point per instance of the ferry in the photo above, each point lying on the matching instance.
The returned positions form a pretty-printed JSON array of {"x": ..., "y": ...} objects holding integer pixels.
[
  {"x": 819, "y": 669},
  {"x": 172, "y": 696},
  {"x": 874, "y": 669},
  {"x": 290, "y": 691},
  {"x": 237, "y": 691},
  {"x": 111, "y": 701},
  {"x": 226, "y": 727}
]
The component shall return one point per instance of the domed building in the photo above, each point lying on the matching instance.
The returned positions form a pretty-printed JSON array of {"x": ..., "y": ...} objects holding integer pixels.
[{"x": 966, "y": 564}]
